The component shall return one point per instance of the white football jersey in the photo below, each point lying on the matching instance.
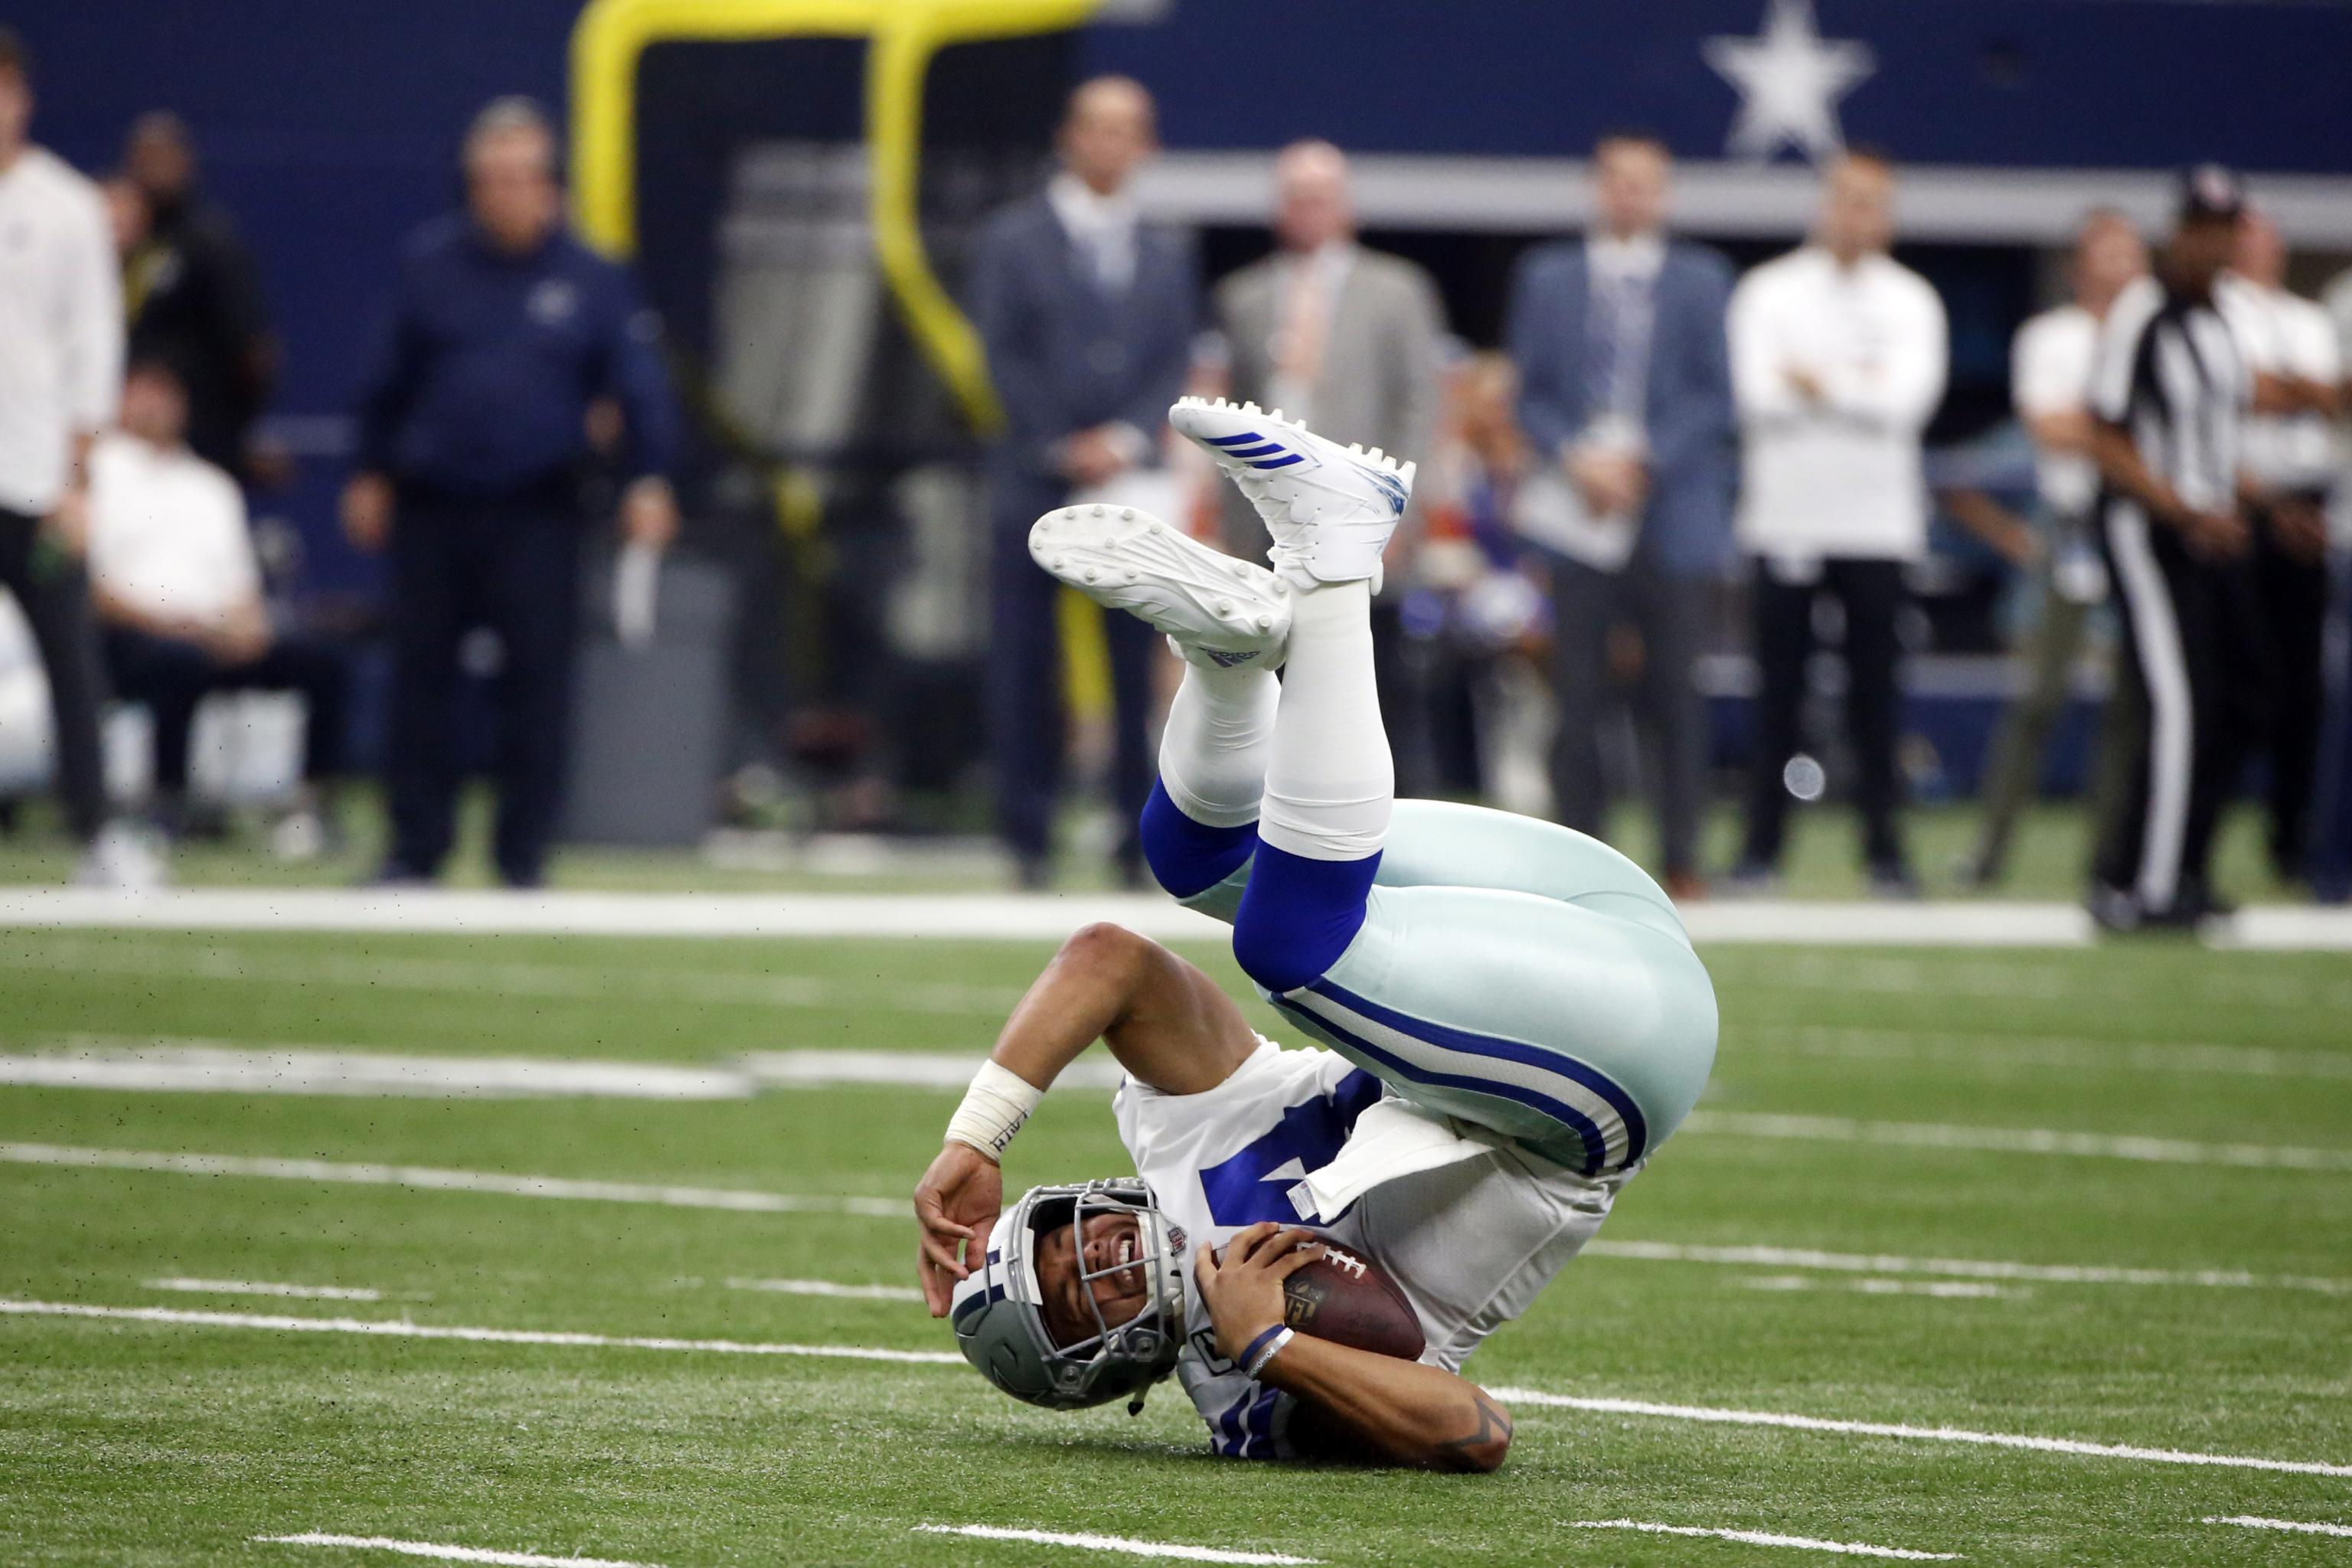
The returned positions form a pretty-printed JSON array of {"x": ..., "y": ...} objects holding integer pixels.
[{"x": 1470, "y": 1244}]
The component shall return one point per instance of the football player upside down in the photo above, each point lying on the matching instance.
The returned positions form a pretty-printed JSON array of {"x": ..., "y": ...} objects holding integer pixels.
[{"x": 1510, "y": 1014}]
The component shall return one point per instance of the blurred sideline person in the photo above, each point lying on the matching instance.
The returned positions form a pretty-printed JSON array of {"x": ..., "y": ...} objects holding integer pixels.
[
  {"x": 505, "y": 333},
  {"x": 193, "y": 294},
  {"x": 2168, "y": 395},
  {"x": 2290, "y": 461},
  {"x": 178, "y": 588},
  {"x": 60, "y": 378},
  {"x": 2331, "y": 854},
  {"x": 1088, "y": 314},
  {"x": 1477, "y": 600},
  {"x": 1351, "y": 341},
  {"x": 1838, "y": 356},
  {"x": 1626, "y": 384},
  {"x": 2050, "y": 386}
]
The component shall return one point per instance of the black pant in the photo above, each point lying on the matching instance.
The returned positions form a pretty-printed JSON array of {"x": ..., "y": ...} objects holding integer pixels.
[
  {"x": 1669, "y": 612},
  {"x": 511, "y": 564},
  {"x": 53, "y": 592},
  {"x": 171, "y": 677},
  {"x": 2290, "y": 599},
  {"x": 1871, "y": 594},
  {"x": 2181, "y": 647},
  {"x": 1026, "y": 702}
]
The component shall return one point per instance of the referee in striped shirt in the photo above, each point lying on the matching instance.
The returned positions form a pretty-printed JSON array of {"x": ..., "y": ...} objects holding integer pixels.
[{"x": 2167, "y": 394}]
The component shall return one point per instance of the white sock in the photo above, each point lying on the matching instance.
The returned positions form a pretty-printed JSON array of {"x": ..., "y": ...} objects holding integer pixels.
[
  {"x": 1329, "y": 780},
  {"x": 1212, "y": 751}
]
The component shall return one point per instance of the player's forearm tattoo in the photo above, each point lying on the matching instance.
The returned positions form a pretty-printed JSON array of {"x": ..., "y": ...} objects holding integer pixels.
[{"x": 1481, "y": 1448}]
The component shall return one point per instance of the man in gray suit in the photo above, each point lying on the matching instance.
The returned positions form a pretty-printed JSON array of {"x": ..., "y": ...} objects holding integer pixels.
[
  {"x": 1086, "y": 312},
  {"x": 1626, "y": 384},
  {"x": 1350, "y": 341}
]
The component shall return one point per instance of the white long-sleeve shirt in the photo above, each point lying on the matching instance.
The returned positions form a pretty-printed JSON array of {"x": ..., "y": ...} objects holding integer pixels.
[
  {"x": 60, "y": 325},
  {"x": 1839, "y": 476},
  {"x": 2283, "y": 334}
]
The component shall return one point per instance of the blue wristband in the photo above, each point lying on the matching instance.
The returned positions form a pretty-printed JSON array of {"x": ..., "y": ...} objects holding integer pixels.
[{"x": 1249, "y": 1353}]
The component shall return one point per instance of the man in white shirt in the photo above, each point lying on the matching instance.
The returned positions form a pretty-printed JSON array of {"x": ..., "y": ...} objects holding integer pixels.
[
  {"x": 60, "y": 368},
  {"x": 178, "y": 588},
  {"x": 1838, "y": 357},
  {"x": 2290, "y": 458},
  {"x": 2050, "y": 385}
]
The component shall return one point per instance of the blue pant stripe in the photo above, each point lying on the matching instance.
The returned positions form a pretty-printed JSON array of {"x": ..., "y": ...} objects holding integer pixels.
[
  {"x": 1596, "y": 1149},
  {"x": 1637, "y": 1132}
]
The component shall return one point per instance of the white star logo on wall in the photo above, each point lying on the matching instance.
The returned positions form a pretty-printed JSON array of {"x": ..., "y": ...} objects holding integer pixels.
[{"x": 1789, "y": 81}]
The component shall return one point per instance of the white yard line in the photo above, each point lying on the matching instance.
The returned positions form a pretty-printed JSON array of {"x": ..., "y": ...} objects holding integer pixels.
[
  {"x": 561, "y": 1187},
  {"x": 2025, "y": 978},
  {"x": 173, "y": 1317},
  {"x": 1110, "y": 1543},
  {"x": 1874, "y": 1285},
  {"x": 1960, "y": 1267},
  {"x": 219, "y": 1067},
  {"x": 1031, "y": 916},
  {"x": 265, "y": 1288},
  {"x": 171, "y": 1064},
  {"x": 829, "y": 1287},
  {"x": 511, "y": 977},
  {"x": 1985, "y": 1050},
  {"x": 448, "y": 1553},
  {"x": 1533, "y": 1396},
  {"x": 402, "y": 1330},
  {"x": 903, "y": 1069},
  {"x": 2015, "y": 1141},
  {"x": 1763, "y": 1538},
  {"x": 968, "y": 916},
  {"x": 2300, "y": 1526},
  {"x": 427, "y": 1178}
]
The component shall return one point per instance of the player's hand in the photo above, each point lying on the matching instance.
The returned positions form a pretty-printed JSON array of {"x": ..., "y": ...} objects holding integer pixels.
[
  {"x": 956, "y": 1204},
  {"x": 1243, "y": 1291},
  {"x": 2217, "y": 535},
  {"x": 2301, "y": 530}
]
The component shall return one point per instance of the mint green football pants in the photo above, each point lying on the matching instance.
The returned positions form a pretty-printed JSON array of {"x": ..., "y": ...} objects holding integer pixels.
[{"x": 1519, "y": 975}]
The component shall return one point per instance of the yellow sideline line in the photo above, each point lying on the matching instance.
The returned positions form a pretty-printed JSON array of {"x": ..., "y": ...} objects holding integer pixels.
[{"x": 902, "y": 35}]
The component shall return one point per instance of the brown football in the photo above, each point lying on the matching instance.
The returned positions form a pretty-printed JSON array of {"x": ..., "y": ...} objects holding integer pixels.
[{"x": 1345, "y": 1297}]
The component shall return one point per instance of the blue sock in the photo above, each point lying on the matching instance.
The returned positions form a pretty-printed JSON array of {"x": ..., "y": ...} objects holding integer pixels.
[
  {"x": 1297, "y": 916},
  {"x": 1188, "y": 858}
]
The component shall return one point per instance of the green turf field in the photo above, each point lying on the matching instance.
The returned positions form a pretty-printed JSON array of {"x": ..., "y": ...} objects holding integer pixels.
[{"x": 2005, "y": 1303}]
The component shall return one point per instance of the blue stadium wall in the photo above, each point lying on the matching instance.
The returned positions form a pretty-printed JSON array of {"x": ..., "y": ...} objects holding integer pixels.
[{"x": 328, "y": 131}]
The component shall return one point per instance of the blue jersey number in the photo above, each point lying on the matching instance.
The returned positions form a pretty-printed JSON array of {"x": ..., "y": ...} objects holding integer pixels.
[{"x": 1254, "y": 1185}]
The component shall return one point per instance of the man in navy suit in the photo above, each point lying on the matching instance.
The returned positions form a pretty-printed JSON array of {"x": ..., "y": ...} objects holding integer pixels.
[
  {"x": 1087, "y": 315},
  {"x": 1626, "y": 385}
]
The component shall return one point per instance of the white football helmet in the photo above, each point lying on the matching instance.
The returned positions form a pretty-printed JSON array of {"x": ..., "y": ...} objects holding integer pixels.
[{"x": 999, "y": 1315}]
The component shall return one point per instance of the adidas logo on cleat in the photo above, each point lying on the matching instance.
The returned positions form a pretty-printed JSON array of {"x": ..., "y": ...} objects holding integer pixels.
[{"x": 1228, "y": 661}]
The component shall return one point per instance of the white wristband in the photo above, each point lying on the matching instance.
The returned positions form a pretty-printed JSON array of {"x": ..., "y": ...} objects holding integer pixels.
[
  {"x": 994, "y": 1109},
  {"x": 1273, "y": 1349}
]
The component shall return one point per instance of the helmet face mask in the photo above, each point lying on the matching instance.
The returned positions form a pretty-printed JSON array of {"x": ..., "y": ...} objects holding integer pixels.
[{"x": 998, "y": 1314}]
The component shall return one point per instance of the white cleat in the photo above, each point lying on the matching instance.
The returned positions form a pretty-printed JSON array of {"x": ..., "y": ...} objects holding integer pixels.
[
  {"x": 1330, "y": 508},
  {"x": 1214, "y": 608}
]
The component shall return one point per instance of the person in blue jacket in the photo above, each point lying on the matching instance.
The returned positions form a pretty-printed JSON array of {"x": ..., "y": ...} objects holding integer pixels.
[{"x": 510, "y": 342}]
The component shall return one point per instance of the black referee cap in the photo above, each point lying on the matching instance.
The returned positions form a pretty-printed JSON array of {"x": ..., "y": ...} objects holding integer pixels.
[{"x": 2211, "y": 191}]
